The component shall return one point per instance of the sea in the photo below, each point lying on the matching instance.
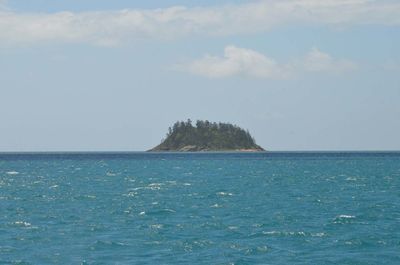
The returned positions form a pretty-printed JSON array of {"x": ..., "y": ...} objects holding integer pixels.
[{"x": 200, "y": 208}]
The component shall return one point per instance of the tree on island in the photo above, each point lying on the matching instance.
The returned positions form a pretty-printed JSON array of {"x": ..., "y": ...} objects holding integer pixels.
[{"x": 207, "y": 136}]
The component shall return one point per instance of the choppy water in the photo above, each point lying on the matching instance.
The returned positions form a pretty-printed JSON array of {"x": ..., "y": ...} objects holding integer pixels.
[{"x": 257, "y": 208}]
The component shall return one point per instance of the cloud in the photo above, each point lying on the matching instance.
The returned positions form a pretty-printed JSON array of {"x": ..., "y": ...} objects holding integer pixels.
[
  {"x": 245, "y": 62},
  {"x": 3, "y": 5},
  {"x": 114, "y": 27},
  {"x": 317, "y": 61},
  {"x": 236, "y": 61}
]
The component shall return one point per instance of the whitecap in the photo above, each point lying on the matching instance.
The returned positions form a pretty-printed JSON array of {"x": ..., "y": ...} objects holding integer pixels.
[
  {"x": 271, "y": 232},
  {"x": 321, "y": 234},
  {"x": 156, "y": 226},
  {"x": 221, "y": 193},
  {"x": 346, "y": 216},
  {"x": 172, "y": 182},
  {"x": 262, "y": 249},
  {"x": 284, "y": 233},
  {"x": 142, "y": 213},
  {"x": 382, "y": 242},
  {"x": 12, "y": 173},
  {"x": 130, "y": 194},
  {"x": 22, "y": 223},
  {"x": 155, "y": 186},
  {"x": 138, "y": 188}
]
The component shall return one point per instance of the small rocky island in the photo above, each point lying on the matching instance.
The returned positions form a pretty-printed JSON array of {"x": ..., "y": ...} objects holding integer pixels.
[{"x": 207, "y": 136}]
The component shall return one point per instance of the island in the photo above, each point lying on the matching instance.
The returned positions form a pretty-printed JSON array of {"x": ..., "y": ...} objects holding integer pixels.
[{"x": 207, "y": 136}]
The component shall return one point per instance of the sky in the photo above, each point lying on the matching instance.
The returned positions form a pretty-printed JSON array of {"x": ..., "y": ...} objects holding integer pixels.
[{"x": 100, "y": 75}]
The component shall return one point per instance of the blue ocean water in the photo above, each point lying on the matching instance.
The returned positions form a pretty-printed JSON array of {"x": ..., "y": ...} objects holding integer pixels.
[{"x": 200, "y": 208}]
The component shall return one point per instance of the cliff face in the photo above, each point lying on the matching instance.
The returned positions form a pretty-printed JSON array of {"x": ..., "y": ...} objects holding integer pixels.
[{"x": 207, "y": 136}]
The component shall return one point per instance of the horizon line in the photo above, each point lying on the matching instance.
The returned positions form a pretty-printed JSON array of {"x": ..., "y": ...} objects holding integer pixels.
[{"x": 200, "y": 152}]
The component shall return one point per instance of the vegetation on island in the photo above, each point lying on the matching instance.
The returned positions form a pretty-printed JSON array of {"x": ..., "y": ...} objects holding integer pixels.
[{"x": 207, "y": 136}]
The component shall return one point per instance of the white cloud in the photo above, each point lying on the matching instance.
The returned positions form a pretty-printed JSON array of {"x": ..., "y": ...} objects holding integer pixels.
[
  {"x": 245, "y": 62},
  {"x": 3, "y": 4},
  {"x": 236, "y": 61},
  {"x": 317, "y": 61},
  {"x": 113, "y": 27}
]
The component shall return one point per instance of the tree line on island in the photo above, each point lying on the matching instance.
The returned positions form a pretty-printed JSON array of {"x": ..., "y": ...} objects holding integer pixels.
[{"x": 207, "y": 136}]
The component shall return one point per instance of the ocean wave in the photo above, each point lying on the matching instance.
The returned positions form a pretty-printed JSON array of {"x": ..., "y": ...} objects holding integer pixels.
[
  {"x": 155, "y": 186},
  {"x": 343, "y": 219},
  {"x": 156, "y": 226},
  {"x": 221, "y": 193},
  {"x": 344, "y": 216},
  {"x": 22, "y": 223},
  {"x": 293, "y": 233}
]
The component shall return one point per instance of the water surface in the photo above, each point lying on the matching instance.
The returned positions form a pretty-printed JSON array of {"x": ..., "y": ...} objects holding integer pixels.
[{"x": 200, "y": 208}]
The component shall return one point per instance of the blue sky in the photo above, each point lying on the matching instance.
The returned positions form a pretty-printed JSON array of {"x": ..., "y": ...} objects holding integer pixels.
[{"x": 113, "y": 75}]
